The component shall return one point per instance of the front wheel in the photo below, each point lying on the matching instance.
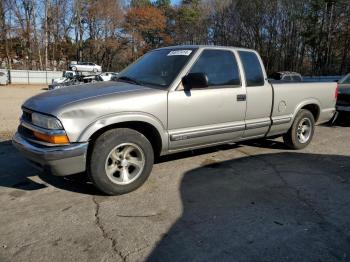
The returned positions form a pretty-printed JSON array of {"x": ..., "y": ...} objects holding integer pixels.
[
  {"x": 302, "y": 131},
  {"x": 121, "y": 161}
]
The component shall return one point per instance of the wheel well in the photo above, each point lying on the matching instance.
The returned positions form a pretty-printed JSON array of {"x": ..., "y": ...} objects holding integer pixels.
[
  {"x": 148, "y": 130},
  {"x": 314, "y": 109}
]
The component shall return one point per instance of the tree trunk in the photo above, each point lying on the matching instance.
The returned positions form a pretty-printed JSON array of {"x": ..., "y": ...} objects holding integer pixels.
[{"x": 46, "y": 34}]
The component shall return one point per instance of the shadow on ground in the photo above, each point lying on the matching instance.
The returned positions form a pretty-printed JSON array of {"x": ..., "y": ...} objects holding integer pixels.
[
  {"x": 15, "y": 172},
  {"x": 271, "y": 207},
  {"x": 266, "y": 143},
  {"x": 343, "y": 120},
  {"x": 197, "y": 152}
]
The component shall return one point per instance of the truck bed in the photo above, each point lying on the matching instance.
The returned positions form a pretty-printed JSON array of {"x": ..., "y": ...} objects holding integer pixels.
[{"x": 290, "y": 97}]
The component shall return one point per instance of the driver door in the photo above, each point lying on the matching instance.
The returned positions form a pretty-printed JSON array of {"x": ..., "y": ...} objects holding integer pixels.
[{"x": 210, "y": 115}]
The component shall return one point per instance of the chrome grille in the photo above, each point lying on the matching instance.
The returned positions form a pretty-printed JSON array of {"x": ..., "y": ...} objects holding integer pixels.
[{"x": 25, "y": 132}]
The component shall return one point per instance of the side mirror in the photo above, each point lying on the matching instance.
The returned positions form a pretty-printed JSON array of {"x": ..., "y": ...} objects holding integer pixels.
[{"x": 195, "y": 80}]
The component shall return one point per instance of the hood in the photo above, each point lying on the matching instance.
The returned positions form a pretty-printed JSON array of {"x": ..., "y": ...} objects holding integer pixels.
[{"x": 50, "y": 101}]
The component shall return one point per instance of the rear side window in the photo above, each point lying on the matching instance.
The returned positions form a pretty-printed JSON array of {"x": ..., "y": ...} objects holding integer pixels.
[
  {"x": 287, "y": 78},
  {"x": 220, "y": 67},
  {"x": 252, "y": 68}
]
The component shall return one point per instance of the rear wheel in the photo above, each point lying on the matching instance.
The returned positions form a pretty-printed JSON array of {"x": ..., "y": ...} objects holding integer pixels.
[
  {"x": 74, "y": 68},
  {"x": 121, "y": 161},
  {"x": 302, "y": 131}
]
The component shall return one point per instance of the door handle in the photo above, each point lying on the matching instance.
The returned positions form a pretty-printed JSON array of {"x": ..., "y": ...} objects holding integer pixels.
[{"x": 241, "y": 97}]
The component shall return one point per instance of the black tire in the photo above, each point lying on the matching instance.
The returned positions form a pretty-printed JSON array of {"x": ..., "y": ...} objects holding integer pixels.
[
  {"x": 101, "y": 150},
  {"x": 291, "y": 138}
]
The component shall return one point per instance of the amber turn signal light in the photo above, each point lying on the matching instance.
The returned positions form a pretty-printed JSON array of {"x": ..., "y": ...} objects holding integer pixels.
[{"x": 54, "y": 139}]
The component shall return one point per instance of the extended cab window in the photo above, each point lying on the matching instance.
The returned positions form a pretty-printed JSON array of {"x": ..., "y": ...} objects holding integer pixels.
[
  {"x": 252, "y": 68},
  {"x": 220, "y": 67}
]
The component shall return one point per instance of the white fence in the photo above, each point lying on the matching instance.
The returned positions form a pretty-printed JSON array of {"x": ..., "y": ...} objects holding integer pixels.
[
  {"x": 32, "y": 77},
  {"x": 45, "y": 77}
]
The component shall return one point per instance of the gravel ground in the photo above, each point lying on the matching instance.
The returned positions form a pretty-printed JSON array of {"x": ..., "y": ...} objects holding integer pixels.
[
  {"x": 11, "y": 99},
  {"x": 255, "y": 201}
]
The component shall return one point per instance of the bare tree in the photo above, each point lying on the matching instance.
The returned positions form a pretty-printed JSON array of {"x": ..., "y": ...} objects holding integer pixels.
[
  {"x": 309, "y": 36},
  {"x": 4, "y": 31}
]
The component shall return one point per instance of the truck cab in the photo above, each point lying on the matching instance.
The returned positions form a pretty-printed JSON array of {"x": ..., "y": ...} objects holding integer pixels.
[{"x": 220, "y": 109}]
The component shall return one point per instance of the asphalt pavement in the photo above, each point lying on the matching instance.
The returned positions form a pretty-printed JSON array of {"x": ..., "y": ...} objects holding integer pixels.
[{"x": 248, "y": 202}]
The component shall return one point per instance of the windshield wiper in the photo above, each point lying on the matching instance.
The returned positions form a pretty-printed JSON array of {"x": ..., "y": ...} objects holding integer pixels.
[{"x": 129, "y": 79}]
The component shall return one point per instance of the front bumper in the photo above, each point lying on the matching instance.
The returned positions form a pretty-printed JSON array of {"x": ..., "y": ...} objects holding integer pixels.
[{"x": 59, "y": 160}]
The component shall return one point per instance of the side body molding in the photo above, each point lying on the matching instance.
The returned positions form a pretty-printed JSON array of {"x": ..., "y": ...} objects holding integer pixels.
[{"x": 123, "y": 117}]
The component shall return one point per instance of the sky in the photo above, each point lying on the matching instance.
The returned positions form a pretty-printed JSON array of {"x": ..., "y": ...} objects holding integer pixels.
[{"x": 175, "y": 2}]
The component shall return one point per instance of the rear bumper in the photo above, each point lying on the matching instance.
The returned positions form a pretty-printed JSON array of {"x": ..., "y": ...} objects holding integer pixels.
[
  {"x": 343, "y": 108},
  {"x": 59, "y": 160}
]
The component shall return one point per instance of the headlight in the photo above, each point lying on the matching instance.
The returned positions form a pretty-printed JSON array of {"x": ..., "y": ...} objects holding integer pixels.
[{"x": 45, "y": 121}]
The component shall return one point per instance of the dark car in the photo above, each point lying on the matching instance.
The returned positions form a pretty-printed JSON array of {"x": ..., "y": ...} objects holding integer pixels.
[{"x": 343, "y": 101}]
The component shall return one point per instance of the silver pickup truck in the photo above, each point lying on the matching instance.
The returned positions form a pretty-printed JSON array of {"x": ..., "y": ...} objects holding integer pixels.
[{"x": 172, "y": 99}]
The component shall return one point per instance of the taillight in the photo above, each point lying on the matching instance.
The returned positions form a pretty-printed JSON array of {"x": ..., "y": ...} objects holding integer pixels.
[{"x": 336, "y": 92}]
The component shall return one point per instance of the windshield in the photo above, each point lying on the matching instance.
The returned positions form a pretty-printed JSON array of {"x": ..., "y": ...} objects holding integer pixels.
[
  {"x": 157, "y": 68},
  {"x": 345, "y": 79}
]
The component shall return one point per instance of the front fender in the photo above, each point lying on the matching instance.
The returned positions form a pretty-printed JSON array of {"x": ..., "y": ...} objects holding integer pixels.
[{"x": 108, "y": 120}]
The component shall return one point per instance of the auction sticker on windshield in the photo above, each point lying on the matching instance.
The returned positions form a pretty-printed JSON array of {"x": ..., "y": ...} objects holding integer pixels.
[{"x": 180, "y": 52}]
